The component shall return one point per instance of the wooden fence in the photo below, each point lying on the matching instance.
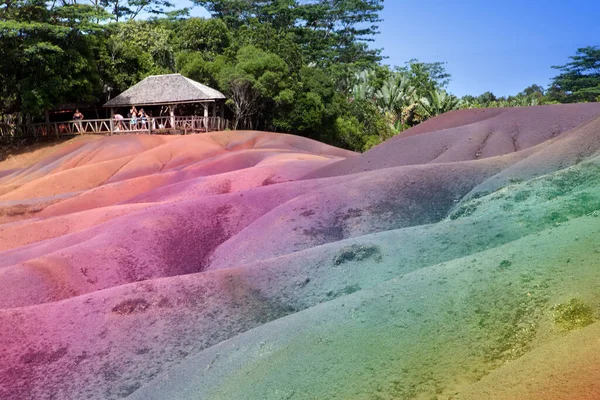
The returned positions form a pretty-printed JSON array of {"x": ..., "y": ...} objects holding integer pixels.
[{"x": 155, "y": 125}]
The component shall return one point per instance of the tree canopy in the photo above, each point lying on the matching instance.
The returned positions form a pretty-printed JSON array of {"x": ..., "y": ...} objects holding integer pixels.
[
  {"x": 579, "y": 80},
  {"x": 306, "y": 67}
]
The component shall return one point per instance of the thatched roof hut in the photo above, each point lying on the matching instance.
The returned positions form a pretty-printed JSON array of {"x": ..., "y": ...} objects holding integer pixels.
[{"x": 168, "y": 89}]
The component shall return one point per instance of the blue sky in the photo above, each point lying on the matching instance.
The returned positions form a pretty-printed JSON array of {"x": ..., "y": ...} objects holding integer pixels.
[{"x": 502, "y": 46}]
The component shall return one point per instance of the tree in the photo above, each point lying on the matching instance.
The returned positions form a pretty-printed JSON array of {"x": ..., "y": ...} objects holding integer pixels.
[
  {"x": 268, "y": 38},
  {"x": 425, "y": 77},
  {"x": 486, "y": 98},
  {"x": 209, "y": 37},
  {"x": 361, "y": 126},
  {"x": 533, "y": 90},
  {"x": 393, "y": 98},
  {"x": 130, "y": 51},
  {"x": 255, "y": 83},
  {"x": 436, "y": 103},
  {"x": 579, "y": 79},
  {"x": 47, "y": 56},
  {"x": 282, "y": 14},
  {"x": 310, "y": 106},
  {"x": 130, "y": 9},
  {"x": 331, "y": 33},
  {"x": 337, "y": 31},
  {"x": 409, "y": 95},
  {"x": 194, "y": 66}
]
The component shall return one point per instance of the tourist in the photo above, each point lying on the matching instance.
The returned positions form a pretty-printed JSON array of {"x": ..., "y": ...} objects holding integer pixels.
[
  {"x": 143, "y": 118},
  {"x": 77, "y": 117},
  {"x": 118, "y": 122},
  {"x": 133, "y": 116}
]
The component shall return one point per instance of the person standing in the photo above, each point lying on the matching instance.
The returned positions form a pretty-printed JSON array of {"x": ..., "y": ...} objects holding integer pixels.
[
  {"x": 77, "y": 117},
  {"x": 143, "y": 118},
  {"x": 134, "y": 115}
]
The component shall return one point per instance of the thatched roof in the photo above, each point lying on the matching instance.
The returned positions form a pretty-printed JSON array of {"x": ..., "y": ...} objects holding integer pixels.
[{"x": 165, "y": 89}]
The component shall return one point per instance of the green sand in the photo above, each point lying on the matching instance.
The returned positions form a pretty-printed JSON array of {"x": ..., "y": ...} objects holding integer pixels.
[{"x": 503, "y": 289}]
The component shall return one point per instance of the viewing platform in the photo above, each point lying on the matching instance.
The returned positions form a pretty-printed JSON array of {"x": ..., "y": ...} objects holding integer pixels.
[
  {"x": 160, "y": 94},
  {"x": 166, "y": 125}
]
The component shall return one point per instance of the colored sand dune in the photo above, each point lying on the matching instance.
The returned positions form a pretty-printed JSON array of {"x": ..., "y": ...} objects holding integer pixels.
[{"x": 459, "y": 260}]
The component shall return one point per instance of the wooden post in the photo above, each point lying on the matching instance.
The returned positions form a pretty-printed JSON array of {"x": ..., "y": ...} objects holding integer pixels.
[
  {"x": 172, "y": 114},
  {"x": 112, "y": 121},
  {"x": 205, "y": 105},
  {"x": 214, "y": 115}
]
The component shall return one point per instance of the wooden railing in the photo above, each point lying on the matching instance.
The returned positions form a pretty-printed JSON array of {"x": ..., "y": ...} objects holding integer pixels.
[{"x": 154, "y": 125}]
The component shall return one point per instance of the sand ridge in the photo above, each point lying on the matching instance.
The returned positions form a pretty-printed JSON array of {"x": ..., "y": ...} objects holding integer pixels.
[{"x": 256, "y": 265}]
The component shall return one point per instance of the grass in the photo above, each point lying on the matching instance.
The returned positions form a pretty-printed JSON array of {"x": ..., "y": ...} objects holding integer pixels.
[
  {"x": 357, "y": 252},
  {"x": 573, "y": 314}
]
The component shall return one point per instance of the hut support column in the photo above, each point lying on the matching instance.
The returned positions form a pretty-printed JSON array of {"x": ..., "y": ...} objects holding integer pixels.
[
  {"x": 215, "y": 122},
  {"x": 172, "y": 114},
  {"x": 112, "y": 119},
  {"x": 222, "y": 115},
  {"x": 205, "y": 105}
]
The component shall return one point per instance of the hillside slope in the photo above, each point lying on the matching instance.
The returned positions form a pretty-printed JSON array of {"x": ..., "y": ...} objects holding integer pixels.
[{"x": 459, "y": 260}]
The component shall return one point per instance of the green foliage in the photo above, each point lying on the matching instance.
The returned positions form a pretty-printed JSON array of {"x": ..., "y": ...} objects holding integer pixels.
[
  {"x": 266, "y": 37},
  {"x": 310, "y": 106},
  {"x": 408, "y": 95},
  {"x": 357, "y": 253},
  {"x": 362, "y": 126},
  {"x": 579, "y": 79},
  {"x": 130, "y": 9},
  {"x": 296, "y": 66},
  {"x": 47, "y": 55},
  {"x": 254, "y": 85},
  {"x": 209, "y": 37},
  {"x": 194, "y": 66},
  {"x": 395, "y": 95},
  {"x": 533, "y": 95},
  {"x": 574, "y": 314},
  {"x": 425, "y": 77},
  {"x": 128, "y": 52},
  {"x": 435, "y": 103},
  {"x": 330, "y": 34}
]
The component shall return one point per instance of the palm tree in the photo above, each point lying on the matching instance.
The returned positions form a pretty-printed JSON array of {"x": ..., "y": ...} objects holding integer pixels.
[
  {"x": 394, "y": 96},
  {"x": 362, "y": 88},
  {"x": 436, "y": 103},
  {"x": 525, "y": 101}
]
